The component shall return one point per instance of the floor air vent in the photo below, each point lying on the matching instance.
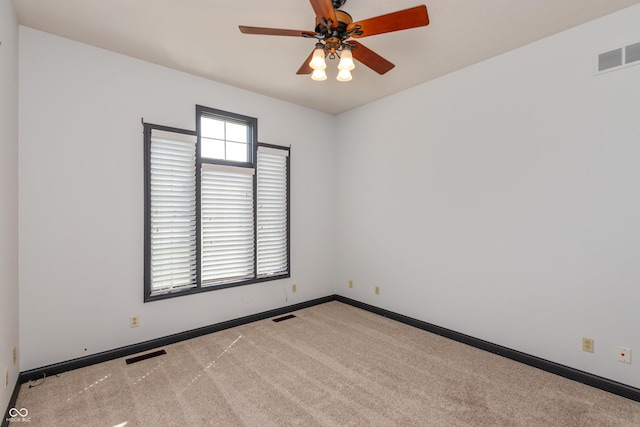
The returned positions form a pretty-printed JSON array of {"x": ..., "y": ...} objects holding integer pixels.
[
  {"x": 287, "y": 317},
  {"x": 145, "y": 356},
  {"x": 618, "y": 58}
]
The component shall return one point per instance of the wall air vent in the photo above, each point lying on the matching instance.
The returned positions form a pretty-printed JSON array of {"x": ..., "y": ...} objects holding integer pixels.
[
  {"x": 618, "y": 58},
  {"x": 610, "y": 59},
  {"x": 632, "y": 53}
]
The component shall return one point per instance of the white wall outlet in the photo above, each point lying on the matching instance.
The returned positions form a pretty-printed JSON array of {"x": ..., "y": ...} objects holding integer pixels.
[
  {"x": 377, "y": 290},
  {"x": 134, "y": 322},
  {"x": 624, "y": 354},
  {"x": 350, "y": 283},
  {"x": 294, "y": 288},
  {"x": 587, "y": 344}
]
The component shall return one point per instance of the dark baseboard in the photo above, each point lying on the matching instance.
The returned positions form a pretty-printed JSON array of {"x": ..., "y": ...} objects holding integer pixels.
[
  {"x": 546, "y": 365},
  {"x": 12, "y": 404},
  {"x": 117, "y": 353}
]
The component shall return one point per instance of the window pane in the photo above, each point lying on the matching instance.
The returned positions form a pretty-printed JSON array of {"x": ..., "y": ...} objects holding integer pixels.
[
  {"x": 236, "y": 132},
  {"x": 227, "y": 226},
  {"x": 212, "y": 148},
  {"x": 236, "y": 151},
  {"x": 172, "y": 212},
  {"x": 211, "y": 128},
  {"x": 272, "y": 213}
]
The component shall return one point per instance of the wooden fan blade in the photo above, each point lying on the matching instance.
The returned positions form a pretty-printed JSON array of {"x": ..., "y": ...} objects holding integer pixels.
[
  {"x": 396, "y": 21},
  {"x": 369, "y": 58},
  {"x": 324, "y": 9},
  {"x": 305, "y": 68},
  {"x": 275, "y": 31}
]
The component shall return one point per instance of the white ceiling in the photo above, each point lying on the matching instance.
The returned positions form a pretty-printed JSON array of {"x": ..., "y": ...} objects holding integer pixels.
[{"x": 201, "y": 37}]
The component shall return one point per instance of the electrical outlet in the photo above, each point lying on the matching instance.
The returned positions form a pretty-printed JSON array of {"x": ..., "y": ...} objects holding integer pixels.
[
  {"x": 377, "y": 290},
  {"x": 15, "y": 355},
  {"x": 624, "y": 354},
  {"x": 294, "y": 288},
  {"x": 587, "y": 344},
  {"x": 351, "y": 283},
  {"x": 134, "y": 321}
]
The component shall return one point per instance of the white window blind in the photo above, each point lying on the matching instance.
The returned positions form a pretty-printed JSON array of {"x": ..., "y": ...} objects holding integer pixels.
[
  {"x": 172, "y": 211},
  {"x": 227, "y": 224},
  {"x": 272, "y": 211},
  {"x": 213, "y": 221}
]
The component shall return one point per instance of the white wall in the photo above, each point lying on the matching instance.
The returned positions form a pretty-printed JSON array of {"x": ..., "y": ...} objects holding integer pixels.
[
  {"x": 502, "y": 200},
  {"x": 81, "y": 199},
  {"x": 8, "y": 199}
]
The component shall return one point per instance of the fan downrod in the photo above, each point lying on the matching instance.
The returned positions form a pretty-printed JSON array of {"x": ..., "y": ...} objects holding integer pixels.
[{"x": 337, "y": 4}]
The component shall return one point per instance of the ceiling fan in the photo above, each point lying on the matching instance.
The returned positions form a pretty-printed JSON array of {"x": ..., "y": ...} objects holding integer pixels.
[{"x": 333, "y": 31}]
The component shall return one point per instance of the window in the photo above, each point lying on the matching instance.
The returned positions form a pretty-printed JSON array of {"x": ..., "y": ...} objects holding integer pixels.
[
  {"x": 216, "y": 206},
  {"x": 225, "y": 140}
]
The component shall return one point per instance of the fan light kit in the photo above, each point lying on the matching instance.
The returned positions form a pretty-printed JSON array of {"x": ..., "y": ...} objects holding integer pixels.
[
  {"x": 345, "y": 65},
  {"x": 335, "y": 27}
]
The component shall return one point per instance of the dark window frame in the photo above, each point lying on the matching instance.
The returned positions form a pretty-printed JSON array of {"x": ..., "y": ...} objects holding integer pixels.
[{"x": 252, "y": 124}]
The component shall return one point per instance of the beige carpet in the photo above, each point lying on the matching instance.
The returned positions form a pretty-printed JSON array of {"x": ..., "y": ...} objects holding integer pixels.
[{"x": 332, "y": 365}]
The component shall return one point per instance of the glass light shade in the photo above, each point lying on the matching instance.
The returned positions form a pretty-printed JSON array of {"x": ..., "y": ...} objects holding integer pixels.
[
  {"x": 346, "y": 61},
  {"x": 344, "y": 76},
  {"x": 319, "y": 75},
  {"x": 317, "y": 60}
]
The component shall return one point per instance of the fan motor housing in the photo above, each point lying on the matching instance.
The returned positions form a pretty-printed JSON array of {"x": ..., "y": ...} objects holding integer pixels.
[{"x": 344, "y": 19}]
